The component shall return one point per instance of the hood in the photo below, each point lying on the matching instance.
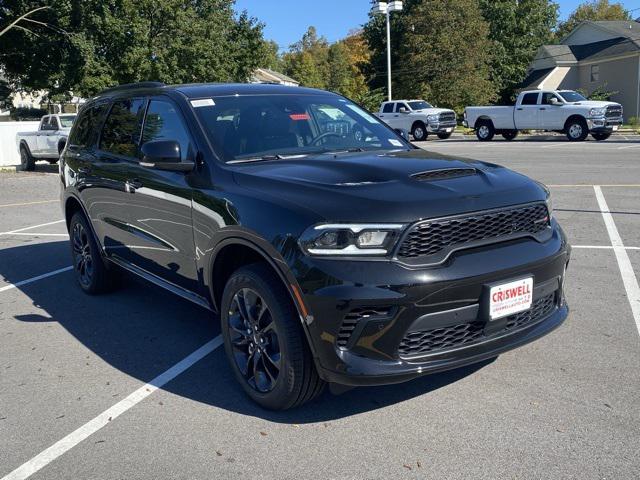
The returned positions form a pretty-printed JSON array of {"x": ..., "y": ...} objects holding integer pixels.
[
  {"x": 595, "y": 103},
  {"x": 432, "y": 111},
  {"x": 395, "y": 186}
]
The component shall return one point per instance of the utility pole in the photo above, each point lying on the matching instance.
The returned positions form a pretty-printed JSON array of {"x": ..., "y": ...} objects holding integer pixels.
[{"x": 385, "y": 8}]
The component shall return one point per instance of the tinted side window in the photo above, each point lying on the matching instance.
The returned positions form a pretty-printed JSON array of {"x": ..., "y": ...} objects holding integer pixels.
[
  {"x": 401, "y": 105},
  {"x": 164, "y": 122},
  {"x": 54, "y": 124},
  {"x": 530, "y": 99},
  {"x": 44, "y": 123},
  {"x": 121, "y": 132},
  {"x": 388, "y": 108},
  {"x": 547, "y": 96},
  {"x": 85, "y": 129}
]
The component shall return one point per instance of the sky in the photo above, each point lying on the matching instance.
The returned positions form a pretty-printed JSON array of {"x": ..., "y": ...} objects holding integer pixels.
[{"x": 287, "y": 20}]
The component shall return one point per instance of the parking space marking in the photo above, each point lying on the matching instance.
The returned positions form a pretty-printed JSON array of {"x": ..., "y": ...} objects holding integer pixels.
[
  {"x": 629, "y": 146},
  {"x": 34, "y": 279},
  {"x": 30, "y": 228},
  {"x": 602, "y": 247},
  {"x": 92, "y": 426},
  {"x": 27, "y": 203},
  {"x": 626, "y": 269},
  {"x": 632, "y": 185},
  {"x": 33, "y": 234}
]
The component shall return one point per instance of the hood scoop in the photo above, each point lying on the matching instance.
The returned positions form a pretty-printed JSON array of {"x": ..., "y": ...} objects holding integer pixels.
[{"x": 443, "y": 174}]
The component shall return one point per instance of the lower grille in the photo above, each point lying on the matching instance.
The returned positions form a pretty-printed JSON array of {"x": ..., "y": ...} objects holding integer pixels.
[
  {"x": 356, "y": 315},
  {"x": 465, "y": 334}
]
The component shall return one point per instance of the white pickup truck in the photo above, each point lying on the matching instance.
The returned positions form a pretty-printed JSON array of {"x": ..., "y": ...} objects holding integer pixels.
[
  {"x": 47, "y": 142},
  {"x": 419, "y": 118},
  {"x": 562, "y": 111}
]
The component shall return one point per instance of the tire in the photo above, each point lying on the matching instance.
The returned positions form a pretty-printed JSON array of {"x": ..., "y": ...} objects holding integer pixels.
[
  {"x": 510, "y": 135},
  {"x": 445, "y": 136},
  {"x": 419, "y": 132},
  {"x": 485, "y": 130},
  {"x": 92, "y": 273},
  {"x": 265, "y": 344},
  {"x": 27, "y": 162},
  {"x": 577, "y": 130},
  {"x": 600, "y": 137}
]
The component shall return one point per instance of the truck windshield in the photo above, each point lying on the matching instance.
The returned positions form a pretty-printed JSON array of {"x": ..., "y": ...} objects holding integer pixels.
[
  {"x": 571, "y": 96},
  {"x": 255, "y": 126},
  {"x": 421, "y": 105},
  {"x": 67, "y": 120}
]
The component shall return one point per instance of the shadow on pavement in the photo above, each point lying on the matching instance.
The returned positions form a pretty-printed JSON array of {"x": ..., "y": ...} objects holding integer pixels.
[{"x": 142, "y": 331}]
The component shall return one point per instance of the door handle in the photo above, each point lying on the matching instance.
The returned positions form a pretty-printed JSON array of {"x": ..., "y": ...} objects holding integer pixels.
[
  {"x": 519, "y": 108},
  {"x": 132, "y": 185},
  {"x": 543, "y": 109}
]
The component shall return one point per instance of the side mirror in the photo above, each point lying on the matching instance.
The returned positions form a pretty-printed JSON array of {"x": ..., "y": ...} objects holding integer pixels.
[
  {"x": 403, "y": 133},
  {"x": 403, "y": 110},
  {"x": 164, "y": 155},
  {"x": 555, "y": 101}
]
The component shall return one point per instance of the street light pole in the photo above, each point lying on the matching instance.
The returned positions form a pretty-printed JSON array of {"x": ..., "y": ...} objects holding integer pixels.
[{"x": 385, "y": 8}]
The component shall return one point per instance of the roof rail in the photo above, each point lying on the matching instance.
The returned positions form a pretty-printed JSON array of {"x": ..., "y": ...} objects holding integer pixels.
[{"x": 132, "y": 86}]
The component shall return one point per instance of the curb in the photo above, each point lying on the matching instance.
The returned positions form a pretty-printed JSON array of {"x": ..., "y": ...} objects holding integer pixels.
[{"x": 9, "y": 169}]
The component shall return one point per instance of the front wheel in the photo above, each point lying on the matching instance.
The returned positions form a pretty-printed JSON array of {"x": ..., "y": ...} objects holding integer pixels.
[
  {"x": 264, "y": 340},
  {"x": 577, "y": 130},
  {"x": 600, "y": 136},
  {"x": 445, "y": 136},
  {"x": 27, "y": 162},
  {"x": 419, "y": 132},
  {"x": 510, "y": 135}
]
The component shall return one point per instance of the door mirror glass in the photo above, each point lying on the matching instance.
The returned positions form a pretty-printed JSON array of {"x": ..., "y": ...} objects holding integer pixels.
[
  {"x": 403, "y": 110},
  {"x": 164, "y": 155},
  {"x": 554, "y": 101}
]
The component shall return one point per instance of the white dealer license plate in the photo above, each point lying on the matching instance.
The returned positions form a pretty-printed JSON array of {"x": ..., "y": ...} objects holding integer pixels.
[
  {"x": 510, "y": 298},
  {"x": 615, "y": 128},
  {"x": 449, "y": 130}
]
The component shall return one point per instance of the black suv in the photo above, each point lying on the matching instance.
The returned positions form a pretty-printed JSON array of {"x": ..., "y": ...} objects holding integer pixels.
[{"x": 333, "y": 250}]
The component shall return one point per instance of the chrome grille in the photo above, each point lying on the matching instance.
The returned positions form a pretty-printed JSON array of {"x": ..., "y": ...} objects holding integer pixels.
[
  {"x": 614, "y": 111},
  {"x": 447, "y": 117},
  {"x": 434, "y": 236}
]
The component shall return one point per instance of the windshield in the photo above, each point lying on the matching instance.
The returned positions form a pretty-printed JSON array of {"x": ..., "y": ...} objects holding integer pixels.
[
  {"x": 572, "y": 96},
  {"x": 67, "y": 120},
  {"x": 255, "y": 126},
  {"x": 419, "y": 105}
]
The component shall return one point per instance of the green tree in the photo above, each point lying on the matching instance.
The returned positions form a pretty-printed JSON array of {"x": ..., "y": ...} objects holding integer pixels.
[
  {"x": 592, "y": 10},
  {"x": 307, "y": 60},
  {"x": 517, "y": 30}
]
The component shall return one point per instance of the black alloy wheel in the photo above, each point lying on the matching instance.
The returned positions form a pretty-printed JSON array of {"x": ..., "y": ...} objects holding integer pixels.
[
  {"x": 27, "y": 162},
  {"x": 82, "y": 258},
  {"x": 254, "y": 340}
]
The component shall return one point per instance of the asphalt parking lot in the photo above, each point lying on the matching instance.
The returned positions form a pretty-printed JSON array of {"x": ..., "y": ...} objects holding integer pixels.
[{"x": 134, "y": 385}]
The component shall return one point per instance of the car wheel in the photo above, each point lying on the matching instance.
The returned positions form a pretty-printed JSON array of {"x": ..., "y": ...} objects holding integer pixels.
[
  {"x": 600, "y": 136},
  {"x": 92, "y": 273},
  {"x": 485, "y": 131},
  {"x": 445, "y": 136},
  {"x": 510, "y": 135},
  {"x": 27, "y": 162},
  {"x": 264, "y": 340},
  {"x": 419, "y": 132},
  {"x": 577, "y": 130}
]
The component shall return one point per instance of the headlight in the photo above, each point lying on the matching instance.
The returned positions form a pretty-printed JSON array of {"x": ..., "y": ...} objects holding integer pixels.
[
  {"x": 597, "y": 112},
  {"x": 433, "y": 118},
  {"x": 350, "y": 239}
]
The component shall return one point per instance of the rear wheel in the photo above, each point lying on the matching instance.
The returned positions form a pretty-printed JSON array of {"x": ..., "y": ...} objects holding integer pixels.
[
  {"x": 27, "y": 162},
  {"x": 577, "y": 130},
  {"x": 510, "y": 135},
  {"x": 419, "y": 132},
  {"x": 485, "y": 131},
  {"x": 444, "y": 136},
  {"x": 264, "y": 341},
  {"x": 92, "y": 273},
  {"x": 600, "y": 136}
]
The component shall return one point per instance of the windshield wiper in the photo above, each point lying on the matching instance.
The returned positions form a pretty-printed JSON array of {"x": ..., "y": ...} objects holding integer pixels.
[{"x": 265, "y": 158}]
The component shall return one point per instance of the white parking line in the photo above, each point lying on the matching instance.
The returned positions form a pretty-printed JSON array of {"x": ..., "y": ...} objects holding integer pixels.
[
  {"x": 626, "y": 269},
  {"x": 33, "y": 234},
  {"x": 27, "y": 203},
  {"x": 31, "y": 228},
  {"x": 602, "y": 247},
  {"x": 74, "y": 438},
  {"x": 628, "y": 146},
  {"x": 34, "y": 279}
]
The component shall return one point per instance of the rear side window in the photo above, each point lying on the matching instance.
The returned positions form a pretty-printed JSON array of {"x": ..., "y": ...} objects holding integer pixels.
[
  {"x": 388, "y": 108},
  {"x": 85, "y": 130},
  {"x": 530, "y": 99},
  {"x": 121, "y": 132},
  {"x": 164, "y": 122}
]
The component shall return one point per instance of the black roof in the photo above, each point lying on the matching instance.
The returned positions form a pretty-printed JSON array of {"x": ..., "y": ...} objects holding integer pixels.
[
  {"x": 605, "y": 48},
  {"x": 533, "y": 78},
  {"x": 204, "y": 90}
]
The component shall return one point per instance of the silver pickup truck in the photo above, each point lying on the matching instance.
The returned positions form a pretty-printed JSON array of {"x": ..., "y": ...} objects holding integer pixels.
[{"x": 47, "y": 142}]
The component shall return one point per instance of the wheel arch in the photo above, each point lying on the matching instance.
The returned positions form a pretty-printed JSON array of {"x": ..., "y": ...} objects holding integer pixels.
[
  {"x": 574, "y": 117},
  {"x": 483, "y": 119}
]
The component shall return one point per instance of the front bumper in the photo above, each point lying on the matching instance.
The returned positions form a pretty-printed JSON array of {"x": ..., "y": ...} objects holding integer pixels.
[
  {"x": 604, "y": 124},
  {"x": 443, "y": 127},
  {"x": 401, "y": 300}
]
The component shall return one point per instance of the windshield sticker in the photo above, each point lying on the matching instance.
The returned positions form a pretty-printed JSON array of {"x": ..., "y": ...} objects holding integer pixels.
[
  {"x": 395, "y": 143},
  {"x": 363, "y": 114},
  {"x": 204, "y": 102},
  {"x": 299, "y": 116}
]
